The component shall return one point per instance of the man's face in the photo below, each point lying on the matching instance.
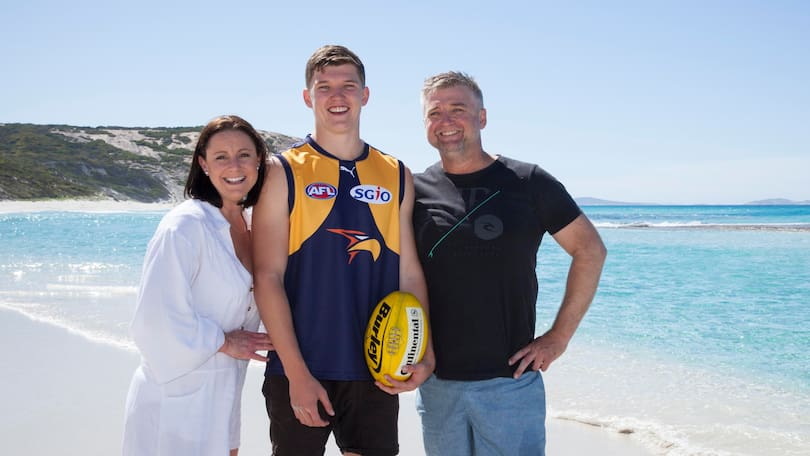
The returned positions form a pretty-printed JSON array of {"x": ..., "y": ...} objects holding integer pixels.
[
  {"x": 336, "y": 97},
  {"x": 453, "y": 119}
]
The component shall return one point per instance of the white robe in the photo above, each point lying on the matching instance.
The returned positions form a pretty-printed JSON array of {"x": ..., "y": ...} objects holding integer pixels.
[{"x": 184, "y": 398}]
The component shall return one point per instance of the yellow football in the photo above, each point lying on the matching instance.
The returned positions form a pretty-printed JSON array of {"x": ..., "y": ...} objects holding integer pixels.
[{"x": 396, "y": 336}]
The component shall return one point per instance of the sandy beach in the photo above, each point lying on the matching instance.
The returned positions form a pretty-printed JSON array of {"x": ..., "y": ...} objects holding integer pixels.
[{"x": 64, "y": 394}]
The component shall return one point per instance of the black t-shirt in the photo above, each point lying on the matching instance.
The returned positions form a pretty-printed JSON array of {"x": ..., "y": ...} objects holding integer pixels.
[{"x": 477, "y": 235}]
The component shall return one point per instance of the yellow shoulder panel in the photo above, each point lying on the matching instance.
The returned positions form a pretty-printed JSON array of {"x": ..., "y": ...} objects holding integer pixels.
[
  {"x": 386, "y": 216},
  {"x": 316, "y": 181}
]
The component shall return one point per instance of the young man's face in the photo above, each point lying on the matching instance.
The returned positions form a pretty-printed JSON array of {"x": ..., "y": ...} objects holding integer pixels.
[
  {"x": 453, "y": 119},
  {"x": 336, "y": 97}
]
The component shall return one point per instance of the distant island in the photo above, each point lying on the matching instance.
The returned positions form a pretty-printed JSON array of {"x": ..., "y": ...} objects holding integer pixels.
[
  {"x": 590, "y": 201},
  {"x": 777, "y": 202}
]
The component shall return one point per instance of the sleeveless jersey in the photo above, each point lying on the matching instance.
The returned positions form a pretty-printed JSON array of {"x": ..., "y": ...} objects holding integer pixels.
[{"x": 343, "y": 253}]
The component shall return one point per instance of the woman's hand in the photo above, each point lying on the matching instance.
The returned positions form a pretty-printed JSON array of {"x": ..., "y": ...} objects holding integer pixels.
[{"x": 241, "y": 344}]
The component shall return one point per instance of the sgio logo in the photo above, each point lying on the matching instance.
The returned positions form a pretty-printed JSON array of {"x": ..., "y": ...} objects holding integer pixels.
[
  {"x": 372, "y": 194},
  {"x": 320, "y": 190}
]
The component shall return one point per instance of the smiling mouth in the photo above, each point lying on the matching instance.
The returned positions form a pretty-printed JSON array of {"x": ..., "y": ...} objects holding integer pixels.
[
  {"x": 338, "y": 109},
  {"x": 449, "y": 133},
  {"x": 235, "y": 180}
]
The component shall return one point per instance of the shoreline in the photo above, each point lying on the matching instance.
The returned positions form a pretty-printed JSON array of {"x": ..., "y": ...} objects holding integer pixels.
[
  {"x": 110, "y": 205},
  {"x": 79, "y": 205},
  {"x": 75, "y": 388}
]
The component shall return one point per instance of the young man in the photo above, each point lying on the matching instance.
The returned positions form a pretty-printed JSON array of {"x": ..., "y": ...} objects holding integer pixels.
[
  {"x": 332, "y": 236},
  {"x": 479, "y": 219}
]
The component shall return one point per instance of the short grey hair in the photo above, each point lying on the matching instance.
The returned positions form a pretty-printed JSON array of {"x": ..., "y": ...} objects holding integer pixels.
[{"x": 451, "y": 79}]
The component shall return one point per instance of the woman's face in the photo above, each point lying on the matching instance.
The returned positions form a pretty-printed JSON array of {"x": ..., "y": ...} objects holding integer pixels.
[{"x": 232, "y": 163}]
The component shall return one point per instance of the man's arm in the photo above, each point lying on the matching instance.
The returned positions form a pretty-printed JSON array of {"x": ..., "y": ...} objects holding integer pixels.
[
  {"x": 271, "y": 232},
  {"x": 411, "y": 279},
  {"x": 581, "y": 240}
]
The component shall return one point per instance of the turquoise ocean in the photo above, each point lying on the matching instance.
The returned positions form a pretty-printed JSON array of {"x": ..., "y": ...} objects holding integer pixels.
[{"x": 698, "y": 341}]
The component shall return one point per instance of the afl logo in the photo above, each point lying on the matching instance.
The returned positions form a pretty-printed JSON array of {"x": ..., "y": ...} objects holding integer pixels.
[
  {"x": 372, "y": 194},
  {"x": 321, "y": 191}
]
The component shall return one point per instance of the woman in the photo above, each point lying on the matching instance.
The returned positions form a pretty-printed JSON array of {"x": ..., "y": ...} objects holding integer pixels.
[{"x": 195, "y": 317}]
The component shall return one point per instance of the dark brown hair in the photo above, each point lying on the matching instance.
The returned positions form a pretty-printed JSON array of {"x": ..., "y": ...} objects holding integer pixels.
[
  {"x": 199, "y": 186},
  {"x": 333, "y": 55}
]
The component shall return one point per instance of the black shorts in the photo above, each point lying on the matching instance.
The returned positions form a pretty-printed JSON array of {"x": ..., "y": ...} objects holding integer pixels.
[{"x": 365, "y": 420}]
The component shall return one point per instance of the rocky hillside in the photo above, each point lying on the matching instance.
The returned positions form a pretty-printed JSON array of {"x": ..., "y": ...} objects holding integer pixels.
[{"x": 62, "y": 161}]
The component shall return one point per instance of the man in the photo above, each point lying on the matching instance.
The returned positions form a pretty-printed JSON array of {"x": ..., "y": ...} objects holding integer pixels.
[
  {"x": 332, "y": 236},
  {"x": 479, "y": 219}
]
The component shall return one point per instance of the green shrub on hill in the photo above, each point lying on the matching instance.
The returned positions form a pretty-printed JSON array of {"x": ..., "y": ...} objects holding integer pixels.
[{"x": 62, "y": 161}]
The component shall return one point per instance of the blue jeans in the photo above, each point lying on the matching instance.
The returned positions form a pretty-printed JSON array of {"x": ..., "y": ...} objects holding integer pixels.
[{"x": 499, "y": 416}]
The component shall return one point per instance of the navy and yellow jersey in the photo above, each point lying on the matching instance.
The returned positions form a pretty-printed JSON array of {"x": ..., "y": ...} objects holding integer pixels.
[{"x": 343, "y": 252}]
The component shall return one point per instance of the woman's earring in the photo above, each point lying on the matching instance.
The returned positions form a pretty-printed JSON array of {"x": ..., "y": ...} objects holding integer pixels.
[{"x": 205, "y": 171}]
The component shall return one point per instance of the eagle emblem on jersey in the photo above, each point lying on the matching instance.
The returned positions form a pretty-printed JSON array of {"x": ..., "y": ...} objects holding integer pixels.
[{"x": 358, "y": 242}]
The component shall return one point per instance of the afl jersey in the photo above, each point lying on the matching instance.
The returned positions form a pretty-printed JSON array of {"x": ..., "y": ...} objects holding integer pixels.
[{"x": 343, "y": 252}]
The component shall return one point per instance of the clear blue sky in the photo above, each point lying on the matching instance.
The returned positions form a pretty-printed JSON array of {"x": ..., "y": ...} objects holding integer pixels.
[{"x": 646, "y": 101}]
